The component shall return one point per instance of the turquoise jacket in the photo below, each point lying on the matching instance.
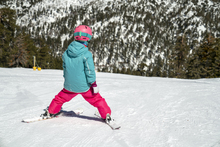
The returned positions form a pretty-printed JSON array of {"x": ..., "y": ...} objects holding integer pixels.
[{"x": 78, "y": 68}]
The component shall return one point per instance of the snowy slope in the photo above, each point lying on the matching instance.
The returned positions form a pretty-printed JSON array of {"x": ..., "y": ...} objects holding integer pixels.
[{"x": 154, "y": 112}]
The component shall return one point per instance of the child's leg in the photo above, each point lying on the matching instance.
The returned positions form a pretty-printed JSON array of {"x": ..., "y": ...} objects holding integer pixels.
[
  {"x": 62, "y": 97},
  {"x": 98, "y": 102}
]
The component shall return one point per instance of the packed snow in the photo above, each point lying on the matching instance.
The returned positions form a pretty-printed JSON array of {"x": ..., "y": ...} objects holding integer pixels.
[{"x": 152, "y": 112}]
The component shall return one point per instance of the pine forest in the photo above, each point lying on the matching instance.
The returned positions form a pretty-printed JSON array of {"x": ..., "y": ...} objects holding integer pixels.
[{"x": 172, "y": 38}]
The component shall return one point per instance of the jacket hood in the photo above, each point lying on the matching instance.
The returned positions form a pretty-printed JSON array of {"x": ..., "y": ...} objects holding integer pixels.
[{"x": 76, "y": 49}]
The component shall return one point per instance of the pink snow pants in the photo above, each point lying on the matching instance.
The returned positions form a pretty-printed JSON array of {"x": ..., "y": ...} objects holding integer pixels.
[{"x": 94, "y": 99}]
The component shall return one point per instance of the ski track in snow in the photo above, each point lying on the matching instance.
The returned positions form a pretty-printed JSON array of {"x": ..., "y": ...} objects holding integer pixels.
[{"x": 154, "y": 112}]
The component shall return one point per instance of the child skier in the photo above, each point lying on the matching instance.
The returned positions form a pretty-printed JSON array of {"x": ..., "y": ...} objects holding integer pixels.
[{"x": 80, "y": 77}]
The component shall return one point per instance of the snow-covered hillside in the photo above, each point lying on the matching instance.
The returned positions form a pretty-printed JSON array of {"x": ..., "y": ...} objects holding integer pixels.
[
  {"x": 126, "y": 33},
  {"x": 154, "y": 112},
  {"x": 55, "y": 9}
]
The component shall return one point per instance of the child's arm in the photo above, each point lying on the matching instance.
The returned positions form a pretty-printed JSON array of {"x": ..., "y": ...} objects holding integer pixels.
[
  {"x": 64, "y": 67},
  {"x": 89, "y": 68}
]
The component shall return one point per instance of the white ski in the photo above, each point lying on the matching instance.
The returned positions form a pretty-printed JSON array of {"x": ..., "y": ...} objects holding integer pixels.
[
  {"x": 111, "y": 123},
  {"x": 62, "y": 113},
  {"x": 30, "y": 120}
]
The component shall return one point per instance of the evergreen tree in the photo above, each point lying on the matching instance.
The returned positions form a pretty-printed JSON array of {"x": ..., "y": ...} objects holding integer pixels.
[
  {"x": 7, "y": 33},
  {"x": 216, "y": 64},
  {"x": 205, "y": 61},
  {"x": 193, "y": 67},
  {"x": 19, "y": 54},
  {"x": 31, "y": 49},
  {"x": 141, "y": 69},
  {"x": 56, "y": 62},
  {"x": 43, "y": 54},
  {"x": 178, "y": 58}
]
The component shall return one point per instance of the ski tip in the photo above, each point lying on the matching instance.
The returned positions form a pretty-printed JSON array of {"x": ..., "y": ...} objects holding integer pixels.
[{"x": 118, "y": 128}]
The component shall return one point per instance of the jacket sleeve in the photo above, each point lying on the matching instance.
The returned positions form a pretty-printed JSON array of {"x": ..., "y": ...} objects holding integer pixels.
[
  {"x": 89, "y": 68},
  {"x": 64, "y": 66}
]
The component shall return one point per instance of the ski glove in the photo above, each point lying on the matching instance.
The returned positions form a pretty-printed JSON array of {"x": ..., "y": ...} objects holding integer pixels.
[{"x": 95, "y": 88}]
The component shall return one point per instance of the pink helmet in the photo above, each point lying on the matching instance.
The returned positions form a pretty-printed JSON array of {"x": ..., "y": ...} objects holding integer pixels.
[{"x": 83, "y": 33}]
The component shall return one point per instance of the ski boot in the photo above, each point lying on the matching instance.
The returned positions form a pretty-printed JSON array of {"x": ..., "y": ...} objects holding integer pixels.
[
  {"x": 48, "y": 115},
  {"x": 111, "y": 122},
  {"x": 108, "y": 119}
]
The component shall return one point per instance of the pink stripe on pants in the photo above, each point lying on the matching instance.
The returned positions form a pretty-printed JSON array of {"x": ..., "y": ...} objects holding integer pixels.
[{"x": 65, "y": 96}]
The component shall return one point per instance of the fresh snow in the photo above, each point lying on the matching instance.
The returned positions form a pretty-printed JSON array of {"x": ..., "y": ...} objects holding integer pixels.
[{"x": 152, "y": 112}]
